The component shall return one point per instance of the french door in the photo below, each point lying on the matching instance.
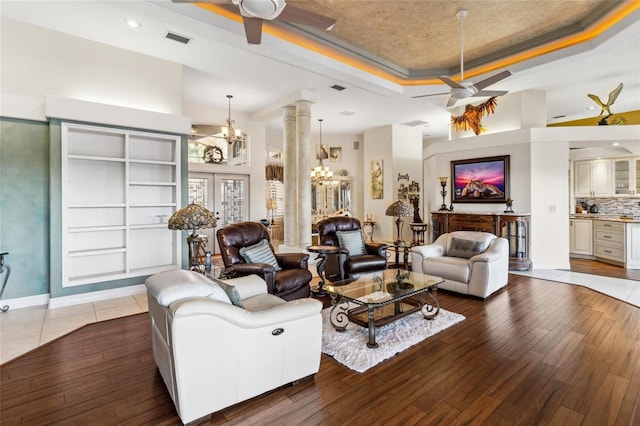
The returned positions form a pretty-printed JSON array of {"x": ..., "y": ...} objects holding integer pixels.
[{"x": 226, "y": 195}]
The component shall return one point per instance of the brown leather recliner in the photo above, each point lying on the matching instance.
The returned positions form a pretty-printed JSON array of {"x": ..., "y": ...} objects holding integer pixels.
[
  {"x": 344, "y": 266},
  {"x": 291, "y": 282}
]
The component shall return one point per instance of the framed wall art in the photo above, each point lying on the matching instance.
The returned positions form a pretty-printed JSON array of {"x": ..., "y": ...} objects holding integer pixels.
[
  {"x": 376, "y": 178},
  {"x": 480, "y": 180},
  {"x": 335, "y": 154}
]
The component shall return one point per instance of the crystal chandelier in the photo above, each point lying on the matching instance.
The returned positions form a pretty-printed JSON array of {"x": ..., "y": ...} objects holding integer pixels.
[
  {"x": 230, "y": 134},
  {"x": 321, "y": 173}
]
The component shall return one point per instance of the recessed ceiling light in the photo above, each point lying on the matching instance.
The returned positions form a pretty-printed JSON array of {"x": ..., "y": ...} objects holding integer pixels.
[
  {"x": 591, "y": 108},
  {"x": 132, "y": 23},
  {"x": 615, "y": 144}
]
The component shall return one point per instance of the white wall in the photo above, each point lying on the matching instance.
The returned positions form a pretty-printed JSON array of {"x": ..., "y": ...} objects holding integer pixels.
[
  {"x": 377, "y": 146},
  {"x": 399, "y": 147},
  {"x": 406, "y": 144},
  {"x": 439, "y": 156},
  {"x": 549, "y": 204},
  {"x": 68, "y": 69},
  {"x": 517, "y": 110},
  {"x": 38, "y": 62}
]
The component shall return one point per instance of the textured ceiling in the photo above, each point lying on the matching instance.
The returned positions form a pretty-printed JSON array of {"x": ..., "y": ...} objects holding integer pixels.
[{"x": 423, "y": 37}]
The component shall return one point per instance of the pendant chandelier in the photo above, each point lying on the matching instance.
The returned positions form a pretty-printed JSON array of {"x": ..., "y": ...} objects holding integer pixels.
[
  {"x": 321, "y": 173},
  {"x": 230, "y": 134}
]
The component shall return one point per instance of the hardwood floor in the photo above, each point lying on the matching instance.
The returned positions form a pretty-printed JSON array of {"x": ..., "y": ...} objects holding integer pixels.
[
  {"x": 600, "y": 268},
  {"x": 535, "y": 353}
]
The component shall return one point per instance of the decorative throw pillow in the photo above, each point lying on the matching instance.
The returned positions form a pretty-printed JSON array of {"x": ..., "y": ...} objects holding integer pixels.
[
  {"x": 465, "y": 249},
  {"x": 260, "y": 253},
  {"x": 218, "y": 292},
  {"x": 353, "y": 241},
  {"x": 232, "y": 292}
]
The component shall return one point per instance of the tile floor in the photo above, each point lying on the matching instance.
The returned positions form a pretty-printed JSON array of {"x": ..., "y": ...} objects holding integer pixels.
[
  {"x": 622, "y": 289},
  {"x": 22, "y": 330}
]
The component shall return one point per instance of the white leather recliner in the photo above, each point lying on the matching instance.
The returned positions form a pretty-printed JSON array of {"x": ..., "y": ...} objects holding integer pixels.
[
  {"x": 474, "y": 263},
  {"x": 212, "y": 354}
]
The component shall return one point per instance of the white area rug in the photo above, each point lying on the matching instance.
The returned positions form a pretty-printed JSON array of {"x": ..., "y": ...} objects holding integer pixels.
[{"x": 350, "y": 346}]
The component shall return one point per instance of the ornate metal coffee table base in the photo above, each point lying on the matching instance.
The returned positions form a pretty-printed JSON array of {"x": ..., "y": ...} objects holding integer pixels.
[{"x": 342, "y": 311}]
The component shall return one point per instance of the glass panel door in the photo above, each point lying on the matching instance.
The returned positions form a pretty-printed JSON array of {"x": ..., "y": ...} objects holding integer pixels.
[
  {"x": 226, "y": 195},
  {"x": 622, "y": 177},
  {"x": 201, "y": 193},
  {"x": 231, "y": 195}
]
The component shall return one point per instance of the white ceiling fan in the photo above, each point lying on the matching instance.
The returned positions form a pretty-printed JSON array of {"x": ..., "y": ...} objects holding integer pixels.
[
  {"x": 466, "y": 89},
  {"x": 254, "y": 12}
]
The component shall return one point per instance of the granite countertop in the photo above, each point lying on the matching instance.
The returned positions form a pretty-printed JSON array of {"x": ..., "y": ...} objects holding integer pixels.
[{"x": 608, "y": 217}]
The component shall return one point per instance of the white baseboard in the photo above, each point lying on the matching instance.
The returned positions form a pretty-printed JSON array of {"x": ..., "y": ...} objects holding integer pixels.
[
  {"x": 25, "y": 302},
  {"x": 94, "y": 296}
]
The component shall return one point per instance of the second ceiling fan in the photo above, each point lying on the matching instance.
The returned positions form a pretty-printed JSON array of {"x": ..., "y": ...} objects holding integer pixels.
[
  {"x": 254, "y": 12},
  {"x": 466, "y": 89}
]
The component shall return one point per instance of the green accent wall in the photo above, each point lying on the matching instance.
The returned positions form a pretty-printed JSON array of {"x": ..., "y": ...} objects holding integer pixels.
[
  {"x": 24, "y": 205},
  {"x": 31, "y": 206}
]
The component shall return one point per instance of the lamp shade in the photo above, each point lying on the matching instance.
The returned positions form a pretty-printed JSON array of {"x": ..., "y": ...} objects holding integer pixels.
[
  {"x": 399, "y": 208},
  {"x": 271, "y": 204},
  {"x": 192, "y": 216}
]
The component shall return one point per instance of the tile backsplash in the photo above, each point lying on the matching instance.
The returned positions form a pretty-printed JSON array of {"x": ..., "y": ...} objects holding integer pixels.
[{"x": 614, "y": 206}]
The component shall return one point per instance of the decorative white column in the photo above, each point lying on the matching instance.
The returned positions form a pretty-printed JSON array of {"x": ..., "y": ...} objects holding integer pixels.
[
  {"x": 290, "y": 176},
  {"x": 303, "y": 194}
]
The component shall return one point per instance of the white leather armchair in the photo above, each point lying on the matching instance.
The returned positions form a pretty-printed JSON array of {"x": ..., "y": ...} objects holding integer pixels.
[
  {"x": 212, "y": 354},
  {"x": 474, "y": 263}
]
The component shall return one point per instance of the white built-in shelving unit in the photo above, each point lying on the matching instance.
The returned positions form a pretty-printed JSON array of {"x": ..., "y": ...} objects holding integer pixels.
[{"x": 119, "y": 188}]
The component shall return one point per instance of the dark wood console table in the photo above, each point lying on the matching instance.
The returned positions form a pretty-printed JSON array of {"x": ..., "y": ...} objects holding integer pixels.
[{"x": 514, "y": 227}]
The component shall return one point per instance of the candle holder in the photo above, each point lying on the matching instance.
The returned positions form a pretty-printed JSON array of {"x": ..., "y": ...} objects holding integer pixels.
[{"x": 443, "y": 192}]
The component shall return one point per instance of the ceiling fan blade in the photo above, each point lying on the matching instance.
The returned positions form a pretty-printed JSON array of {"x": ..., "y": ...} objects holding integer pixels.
[
  {"x": 490, "y": 93},
  {"x": 253, "y": 29},
  {"x": 451, "y": 83},
  {"x": 451, "y": 102},
  {"x": 295, "y": 15},
  {"x": 492, "y": 80},
  {"x": 431, "y": 94}
]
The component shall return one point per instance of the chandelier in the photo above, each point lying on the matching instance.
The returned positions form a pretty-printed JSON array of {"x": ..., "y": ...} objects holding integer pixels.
[
  {"x": 321, "y": 173},
  {"x": 230, "y": 134}
]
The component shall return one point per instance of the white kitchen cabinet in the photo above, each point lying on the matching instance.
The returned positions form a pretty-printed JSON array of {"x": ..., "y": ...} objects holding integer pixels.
[
  {"x": 581, "y": 238},
  {"x": 609, "y": 241},
  {"x": 633, "y": 245},
  {"x": 626, "y": 176},
  {"x": 119, "y": 188},
  {"x": 592, "y": 178}
]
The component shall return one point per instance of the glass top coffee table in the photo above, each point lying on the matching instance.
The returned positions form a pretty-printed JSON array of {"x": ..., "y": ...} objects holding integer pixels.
[{"x": 375, "y": 299}]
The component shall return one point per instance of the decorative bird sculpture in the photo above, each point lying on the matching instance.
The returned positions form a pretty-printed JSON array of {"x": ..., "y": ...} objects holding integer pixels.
[
  {"x": 470, "y": 119},
  {"x": 612, "y": 98}
]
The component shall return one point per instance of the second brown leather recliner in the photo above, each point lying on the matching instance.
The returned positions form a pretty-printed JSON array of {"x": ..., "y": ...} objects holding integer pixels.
[
  {"x": 288, "y": 277},
  {"x": 346, "y": 266}
]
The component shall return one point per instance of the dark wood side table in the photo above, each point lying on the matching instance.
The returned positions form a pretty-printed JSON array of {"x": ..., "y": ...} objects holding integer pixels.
[
  {"x": 322, "y": 252},
  {"x": 418, "y": 232}
]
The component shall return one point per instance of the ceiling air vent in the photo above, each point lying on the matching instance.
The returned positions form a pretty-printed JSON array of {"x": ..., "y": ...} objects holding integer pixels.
[
  {"x": 338, "y": 87},
  {"x": 415, "y": 123},
  {"x": 177, "y": 37}
]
